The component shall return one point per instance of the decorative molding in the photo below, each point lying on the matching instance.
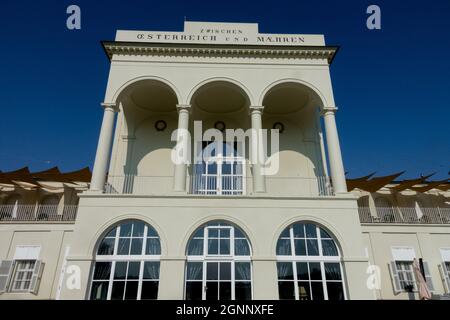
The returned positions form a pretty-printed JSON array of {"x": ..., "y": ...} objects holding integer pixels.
[
  {"x": 253, "y": 109},
  {"x": 328, "y": 110},
  {"x": 213, "y": 50},
  {"x": 110, "y": 105}
]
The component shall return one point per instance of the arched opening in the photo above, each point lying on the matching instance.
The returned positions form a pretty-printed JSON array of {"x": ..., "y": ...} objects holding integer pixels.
[
  {"x": 309, "y": 264},
  {"x": 293, "y": 109},
  {"x": 149, "y": 110},
  {"x": 126, "y": 263},
  {"x": 219, "y": 105},
  {"x": 218, "y": 264}
]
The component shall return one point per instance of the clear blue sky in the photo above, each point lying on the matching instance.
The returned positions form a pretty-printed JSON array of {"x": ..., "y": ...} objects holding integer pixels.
[{"x": 392, "y": 86}]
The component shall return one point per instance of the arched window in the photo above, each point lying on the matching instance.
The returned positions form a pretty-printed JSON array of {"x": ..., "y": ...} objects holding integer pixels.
[
  {"x": 127, "y": 263},
  {"x": 219, "y": 170},
  {"x": 218, "y": 264},
  {"x": 309, "y": 264}
]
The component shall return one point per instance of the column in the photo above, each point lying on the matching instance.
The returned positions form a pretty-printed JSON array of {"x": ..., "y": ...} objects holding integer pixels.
[
  {"x": 334, "y": 151},
  {"x": 259, "y": 183},
  {"x": 182, "y": 147},
  {"x": 103, "y": 148}
]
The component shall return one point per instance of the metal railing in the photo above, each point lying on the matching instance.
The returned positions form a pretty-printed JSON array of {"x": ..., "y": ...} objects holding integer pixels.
[
  {"x": 404, "y": 215},
  {"x": 213, "y": 184},
  {"x": 40, "y": 213}
]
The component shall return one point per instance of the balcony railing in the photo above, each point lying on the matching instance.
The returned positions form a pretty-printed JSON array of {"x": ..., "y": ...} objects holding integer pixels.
[
  {"x": 212, "y": 184},
  {"x": 39, "y": 213},
  {"x": 404, "y": 215}
]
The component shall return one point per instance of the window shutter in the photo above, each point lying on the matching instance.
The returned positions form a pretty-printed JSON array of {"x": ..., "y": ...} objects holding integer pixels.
[
  {"x": 395, "y": 278},
  {"x": 428, "y": 277},
  {"x": 445, "y": 277},
  {"x": 36, "y": 278},
  {"x": 6, "y": 267}
]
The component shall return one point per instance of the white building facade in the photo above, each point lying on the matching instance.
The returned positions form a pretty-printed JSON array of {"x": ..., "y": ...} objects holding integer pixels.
[{"x": 220, "y": 227}]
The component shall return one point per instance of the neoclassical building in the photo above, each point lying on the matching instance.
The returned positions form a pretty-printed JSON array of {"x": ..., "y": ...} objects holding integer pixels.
[{"x": 219, "y": 226}]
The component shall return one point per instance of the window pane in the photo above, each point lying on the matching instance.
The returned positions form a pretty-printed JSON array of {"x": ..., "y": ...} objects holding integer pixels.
[
  {"x": 194, "y": 271},
  {"x": 286, "y": 290},
  {"x": 299, "y": 231},
  {"x": 300, "y": 247},
  {"x": 242, "y": 271},
  {"x": 151, "y": 232},
  {"x": 315, "y": 271},
  {"x": 335, "y": 291},
  {"x": 238, "y": 233},
  {"x": 285, "y": 271},
  {"x": 151, "y": 270},
  {"x": 133, "y": 270},
  {"x": 149, "y": 290},
  {"x": 284, "y": 247},
  {"x": 304, "y": 293},
  {"x": 224, "y": 233},
  {"x": 120, "y": 271},
  {"x": 136, "y": 246},
  {"x": 302, "y": 271},
  {"x": 153, "y": 246},
  {"x": 212, "y": 271},
  {"x": 106, "y": 247},
  {"x": 112, "y": 233},
  {"x": 194, "y": 290},
  {"x": 329, "y": 248},
  {"x": 99, "y": 290},
  {"x": 226, "y": 168},
  {"x": 225, "y": 271},
  {"x": 225, "y": 290},
  {"x": 311, "y": 230},
  {"x": 324, "y": 234},
  {"x": 243, "y": 291},
  {"x": 224, "y": 246},
  {"x": 102, "y": 270},
  {"x": 285, "y": 233},
  {"x": 313, "y": 247},
  {"x": 212, "y": 290},
  {"x": 124, "y": 247},
  {"x": 117, "y": 290},
  {"x": 213, "y": 233},
  {"x": 317, "y": 290},
  {"x": 138, "y": 229},
  {"x": 241, "y": 247},
  {"x": 131, "y": 290},
  {"x": 125, "y": 229},
  {"x": 212, "y": 168},
  {"x": 332, "y": 271},
  {"x": 213, "y": 246}
]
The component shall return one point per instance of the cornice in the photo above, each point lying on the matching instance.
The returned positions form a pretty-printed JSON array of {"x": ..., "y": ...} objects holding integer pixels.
[{"x": 215, "y": 50}]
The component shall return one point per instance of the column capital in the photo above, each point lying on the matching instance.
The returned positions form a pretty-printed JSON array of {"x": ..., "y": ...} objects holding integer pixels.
[
  {"x": 183, "y": 107},
  {"x": 109, "y": 105},
  {"x": 256, "y": 109},
  {"x": 328, "y": 110}
]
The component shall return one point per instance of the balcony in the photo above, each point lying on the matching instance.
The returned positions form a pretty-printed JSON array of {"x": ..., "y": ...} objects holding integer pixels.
[
  {"x": 404, "y": 215},
  {"x": 219, "y": 185},
  {"x": 38, "y": 213}
]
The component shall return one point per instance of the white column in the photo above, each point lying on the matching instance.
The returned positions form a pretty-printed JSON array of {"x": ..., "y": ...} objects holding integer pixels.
[
  {"x": 103, "y": 148},
  {"x": 259, "y": 183},
  {"x": 182, "y": 146},
  {"x": 334, "y": 151}
]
